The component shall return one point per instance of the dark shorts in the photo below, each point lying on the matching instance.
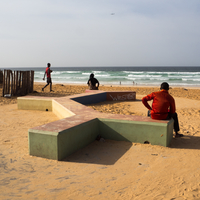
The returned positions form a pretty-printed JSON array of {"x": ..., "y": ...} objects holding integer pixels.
[
  {"x": 49, "y": 80},
  {"x": 93, "y": 87}
]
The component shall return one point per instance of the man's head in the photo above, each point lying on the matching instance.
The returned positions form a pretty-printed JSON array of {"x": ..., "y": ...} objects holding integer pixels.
[
  {"x": 48, "y": 65},
  {"x": 164, "y": 86},
  {"x": 92, "y": 75}
]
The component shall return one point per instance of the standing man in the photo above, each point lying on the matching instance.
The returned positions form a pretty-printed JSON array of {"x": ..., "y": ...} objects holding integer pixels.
[
  {"x": 48, "y": 73},
  {"x": 163, "y": 106}
]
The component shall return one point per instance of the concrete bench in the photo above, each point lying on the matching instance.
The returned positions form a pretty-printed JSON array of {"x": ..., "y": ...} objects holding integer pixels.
[{"x": 80, "y": 125}]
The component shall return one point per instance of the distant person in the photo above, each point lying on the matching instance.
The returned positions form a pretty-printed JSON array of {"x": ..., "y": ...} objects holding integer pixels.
[
  {"x": 163, "y": 106},
  {"x": 48, "y": 73},
  {"x": 93, "y": 83}
]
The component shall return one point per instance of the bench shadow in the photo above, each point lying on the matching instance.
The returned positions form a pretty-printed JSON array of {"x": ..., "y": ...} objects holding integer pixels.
[
  {"x": 186, "y": 142},
  {"x": 106, "y": 152}
]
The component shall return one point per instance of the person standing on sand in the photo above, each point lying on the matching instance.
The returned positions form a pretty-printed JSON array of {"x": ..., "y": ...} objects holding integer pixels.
[
  {"x": 48, "y": 73},
  {"x": 93, "y": 83},
  {"x": 163, "y": 106}
]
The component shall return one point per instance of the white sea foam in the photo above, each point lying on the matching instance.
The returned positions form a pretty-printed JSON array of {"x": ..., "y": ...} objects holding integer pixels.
[
  {"x": 153, "y": 76},
  {"x": 97, "y": 72},
  {"x": 86, "y": 73},
  {"x": 102, "y": 75},
  {"x": 72, "y": 72},
  {"x": 136, "y": 72}
]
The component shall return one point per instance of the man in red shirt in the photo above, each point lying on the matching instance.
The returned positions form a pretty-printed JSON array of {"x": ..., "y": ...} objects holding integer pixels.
[
  {"x": 163, "y": 106},
  {"x": 48, "y": 73}
]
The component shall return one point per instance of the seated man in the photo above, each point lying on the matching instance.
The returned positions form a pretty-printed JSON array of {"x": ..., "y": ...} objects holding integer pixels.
[
  {"x": 163, "y": 106},
  {"x": 93, "y": 83}
]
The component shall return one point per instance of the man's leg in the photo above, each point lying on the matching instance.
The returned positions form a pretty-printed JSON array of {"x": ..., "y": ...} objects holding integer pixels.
[
  {"x": 50, "y": 86},
  {"x": 45, "y": 86},
  {"x": 174, "y": 116},
  {"x": 176, "y": 123},
  {"x": 149, "y": 113}
]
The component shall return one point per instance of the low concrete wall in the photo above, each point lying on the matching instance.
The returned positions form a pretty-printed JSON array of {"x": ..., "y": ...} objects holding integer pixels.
[
  {"x": 79, "y": 128},
  {"x": 137, "y": 131},
  {"x": 73, "y": 139},
  {"x": 121, "y": 96},
  {"x": 60, "y": 111},
  {"x": 43, "y": 144},
  {"x": 58, "y": 145},
  {"x": 25, "y": 103}
]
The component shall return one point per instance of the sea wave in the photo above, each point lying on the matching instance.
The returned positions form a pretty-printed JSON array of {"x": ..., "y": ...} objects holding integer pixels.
[
  {"x": 144, "y": 76},
  {"x": 134, "y": 72}
]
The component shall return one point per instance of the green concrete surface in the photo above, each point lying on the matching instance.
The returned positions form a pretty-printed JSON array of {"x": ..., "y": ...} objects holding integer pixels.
[
  {"x": 137, "y": 131},
  {"x": 57, "y": 146},
  {"x": 43, "y": 144},
  {"x": 73, "y": 139}
]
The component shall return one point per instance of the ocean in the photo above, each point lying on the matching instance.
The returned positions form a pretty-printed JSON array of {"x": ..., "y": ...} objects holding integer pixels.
[{"x": 142, "y": 76}]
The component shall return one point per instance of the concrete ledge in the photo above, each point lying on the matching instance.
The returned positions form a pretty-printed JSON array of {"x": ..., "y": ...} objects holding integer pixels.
[
  {"x": 60, "y": 111},
  {"x": 121, "y": 96},
  {"x": 80, "y": 125},
  {"x": 116, "y": 95},
  {"x": 137, "y": 131},
  {"x": 29, "y": 103},
  {"x": 58, "y": 145}
]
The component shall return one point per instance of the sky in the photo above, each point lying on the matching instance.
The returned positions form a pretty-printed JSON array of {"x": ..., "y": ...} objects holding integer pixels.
[{"x": 70, "y": 33}]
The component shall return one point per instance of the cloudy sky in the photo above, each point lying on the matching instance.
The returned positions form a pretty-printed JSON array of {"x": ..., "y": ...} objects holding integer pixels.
[{"x": 99, "y": 33}]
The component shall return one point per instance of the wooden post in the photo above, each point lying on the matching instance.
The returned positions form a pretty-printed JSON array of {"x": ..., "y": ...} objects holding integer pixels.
[
  {"x": 28, "y": 81},
  {"x": 14, "y": 84},
  {"x": 5, "y": 88},
  {"x": 3, "y": 83},
  {"x": 17, "y": 82},
  {"x": 24, "y": 82},
  {"x": 32, "y": 81},
  {"x": 11, "y": 84},
  {"x": 6, "y": 77}
]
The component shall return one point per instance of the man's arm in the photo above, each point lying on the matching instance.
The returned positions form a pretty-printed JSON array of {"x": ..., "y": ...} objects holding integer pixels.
[
  {"x": 146, "y": 99},
  {"x": 97, "y": 83},
  {"x": 172, "y": 106},
  {"x": 44, "y": 75}
]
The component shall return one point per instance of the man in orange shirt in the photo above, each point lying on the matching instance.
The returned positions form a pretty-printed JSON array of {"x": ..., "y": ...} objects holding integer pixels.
[
  {"x": 163, "y": 106},
  {"x": 48, "y": 73}
]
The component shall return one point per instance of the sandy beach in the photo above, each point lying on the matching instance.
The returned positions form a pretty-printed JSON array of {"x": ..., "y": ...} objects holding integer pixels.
[{"x": 102, "y": 170}]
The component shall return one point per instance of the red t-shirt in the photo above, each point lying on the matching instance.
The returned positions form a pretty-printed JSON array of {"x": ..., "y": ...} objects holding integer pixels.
[
  {"x": 48, "y": 73},
  {"x": 163, "y": 103}
]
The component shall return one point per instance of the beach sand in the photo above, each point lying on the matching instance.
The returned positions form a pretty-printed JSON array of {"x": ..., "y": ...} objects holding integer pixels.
[{"x": 102, "y": 170}]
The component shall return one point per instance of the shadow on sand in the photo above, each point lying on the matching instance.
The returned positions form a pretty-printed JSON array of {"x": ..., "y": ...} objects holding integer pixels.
[
  {"x": 186, "y": 142},
  {"x": 109, "y": 152},
  {"x": 100, "y": 152}
]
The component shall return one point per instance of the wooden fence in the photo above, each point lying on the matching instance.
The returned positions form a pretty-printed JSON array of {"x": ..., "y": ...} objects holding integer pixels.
[
  {"x": 1, "y": 76},
  {"x": 17, "y": 83}
]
